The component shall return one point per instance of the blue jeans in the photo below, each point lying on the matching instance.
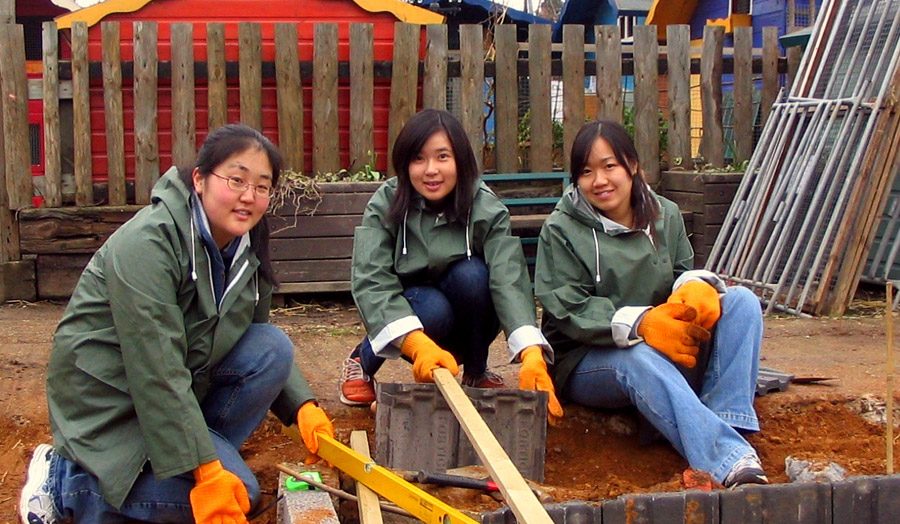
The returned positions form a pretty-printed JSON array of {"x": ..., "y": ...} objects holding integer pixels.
[
  {"x": 242, "y": 387},
  {"x": 703, "y": 429},
  {"x": 457, "y": 313}
]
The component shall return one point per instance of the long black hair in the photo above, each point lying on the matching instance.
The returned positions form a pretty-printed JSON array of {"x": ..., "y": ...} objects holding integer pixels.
[
  {"x": 221, "y": 144},
  {"x": 643, "y": 205},
  {"x": 409, "y": 142}
]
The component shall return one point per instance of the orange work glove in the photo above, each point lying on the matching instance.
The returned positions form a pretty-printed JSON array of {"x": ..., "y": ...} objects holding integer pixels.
[
  {"x": 219, "y": 496},
  {"x": 701, "y": 296},
  {"x": 533, "y": 376},
  {"x": 427, "y": 356},
  {"x": 311, "y": 420},
  {"x": 668, "y": 328}
]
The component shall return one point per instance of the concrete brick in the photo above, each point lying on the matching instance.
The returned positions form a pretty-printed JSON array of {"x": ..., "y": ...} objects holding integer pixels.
[{"x": 302, "y": 507}]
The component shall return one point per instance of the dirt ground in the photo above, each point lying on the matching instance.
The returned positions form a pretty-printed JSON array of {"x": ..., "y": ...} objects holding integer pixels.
[{"x": 591, "y": 456}]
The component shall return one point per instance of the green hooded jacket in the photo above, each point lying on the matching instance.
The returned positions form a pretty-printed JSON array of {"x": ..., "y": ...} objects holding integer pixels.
[
  {"x": 132, "y": 354},
  {"x": 390, "y": 257},
  {"x": 595, "y": 278}
]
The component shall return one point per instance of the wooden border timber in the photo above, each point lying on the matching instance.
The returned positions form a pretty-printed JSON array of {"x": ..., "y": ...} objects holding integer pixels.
[{"x": 369, "y": 507}]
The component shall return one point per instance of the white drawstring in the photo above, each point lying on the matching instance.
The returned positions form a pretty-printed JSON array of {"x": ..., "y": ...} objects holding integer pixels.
[
  {"x": 468, "y": 244},
  {"x": 405, "y": 214},
  {"x": 193, "y": 254},
  {"x": 596, "y": 254}
]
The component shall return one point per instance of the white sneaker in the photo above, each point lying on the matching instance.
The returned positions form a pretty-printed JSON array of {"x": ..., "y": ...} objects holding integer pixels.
[
  {"x": 747, "y": 470},
  {"x": 35, "y": 504}
]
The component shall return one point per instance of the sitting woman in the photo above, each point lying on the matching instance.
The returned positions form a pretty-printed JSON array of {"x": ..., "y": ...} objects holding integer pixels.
[
  {"x": 164, "y": 361},
  {"x": 437, "y": 272},
  {"x": 627, "y": 315}
]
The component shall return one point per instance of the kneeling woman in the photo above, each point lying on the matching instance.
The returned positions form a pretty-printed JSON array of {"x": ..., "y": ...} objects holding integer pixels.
[
  {"x": 626, "y": 314},
  {"x": 164, "y": 362},
  {"x": 436, "y": 271}
]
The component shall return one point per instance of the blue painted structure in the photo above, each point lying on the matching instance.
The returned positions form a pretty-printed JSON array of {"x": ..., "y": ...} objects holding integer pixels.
[{"x": 598, "y": 12}]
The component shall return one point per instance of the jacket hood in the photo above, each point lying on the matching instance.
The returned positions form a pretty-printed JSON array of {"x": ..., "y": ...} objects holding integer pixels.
[{"x": 171, "y": 192}]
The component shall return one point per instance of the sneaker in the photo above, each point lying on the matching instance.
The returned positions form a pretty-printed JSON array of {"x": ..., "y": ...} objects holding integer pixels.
[
  {"x": 35, "y": 504},
  {"x": 486, "y": 380},
  {"x": 747, "y": 470},
  {"x": 357, "y": 388}
]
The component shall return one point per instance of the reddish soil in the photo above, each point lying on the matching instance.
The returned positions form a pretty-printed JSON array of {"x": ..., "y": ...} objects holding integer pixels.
[{"x": 591, "y": 456}]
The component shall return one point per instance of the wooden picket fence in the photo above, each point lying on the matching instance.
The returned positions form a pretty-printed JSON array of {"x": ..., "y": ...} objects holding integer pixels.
[{"x": 496, "y": 58}]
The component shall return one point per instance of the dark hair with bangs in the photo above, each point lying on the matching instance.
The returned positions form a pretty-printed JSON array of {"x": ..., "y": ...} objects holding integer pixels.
[
  {"x": 409, "y": 142},
  {"x": 221, "y": 144},
  {"x": 643, "y": 205}
]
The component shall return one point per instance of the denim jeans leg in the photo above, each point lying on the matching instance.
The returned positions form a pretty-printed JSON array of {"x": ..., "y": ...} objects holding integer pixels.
[
  {"x": 643, "y": 377},
  {"x": 77, "y": 492},
  {"x": 729, "y": 385},
  {"x": 466, "y": 284}
]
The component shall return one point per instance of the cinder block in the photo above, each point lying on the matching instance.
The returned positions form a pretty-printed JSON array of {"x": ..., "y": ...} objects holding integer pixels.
[
  {"x": 805, "y": 503},
  {"x": 301, "y": 507},
  {"x": 663, "y": 508},
  {"x": 867, "y": 500},
  {"x": 415, "y": 428}
]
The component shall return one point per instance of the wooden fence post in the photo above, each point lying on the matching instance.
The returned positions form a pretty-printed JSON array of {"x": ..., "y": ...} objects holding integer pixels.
[
  {"x": 506, "y": 95},
  {"x": 326, "y": 156},
  {"x": 217, "y": 100},
  {"x": 609, "y": 73},
  {"x": 541, "y": 147},
  {"x": 770, "y": 72},
  {"x": 678, "y": 43},
  {"x": 434, "y": 85},
  {"x": 471, "y": 51},
  {"x": 115, "y": 119},
  {"x": 290, "y": 96},
  {"x": 573, "y": 86},
  {"x": 146, "y": 143},
  {"x": 250, "y": 66},
  {"x": 362, "y": 96},
  {"x": 646, "y": 100},
  {"x": 743, "y": 94},
  {"x": 711, "y": 143},
  {"x": 81, "y": 107},
  {"x": 184, "y": 116},
  {"x": 50, "y": 91},
  {"x": 17, "y": 189},
  {"x": 404, "y": 81}
]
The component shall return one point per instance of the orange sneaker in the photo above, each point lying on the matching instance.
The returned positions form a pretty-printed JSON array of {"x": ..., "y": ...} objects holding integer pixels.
[
  {"x": 486, "y": 380},
  {"x": 357, "y": 388}
]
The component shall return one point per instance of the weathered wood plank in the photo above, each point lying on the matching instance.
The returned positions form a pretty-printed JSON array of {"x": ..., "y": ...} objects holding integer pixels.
[
  {"x": 114, "y": 112},
  {"x": 609, "y": 73},
  {"x": 541, "y": 146},
  {"x": 369, "y": 508},
  {"x": 318, "y": 226},
  {"x": 217, "y": 101},
  {"x": 324, "y": 248},
  {"x": 325, "y": 99},
  {"x": 290, "y": 96},
  {"x": 434, "y": 88},
  {"x": 770, "y": 71},
  {"x": 573, "y": 86},
  {"x": 17, "y": 281},
  {"x": 50, "y": 96},
  {"x": 146, "y": 142},
  {"x": 711, "y": 143},
  {"x": 58, "y": 274},
  {"x": 471, "y": 58},
  {"x": 330, "y": 204},
  {"x": 250, "y": 65},
  {"x": 362, "y": 96},
  {"x": 184, "y": 117},
  {"x": 646, "y": 100},
  {"x": 404, "y": 81},
  {"x": 7, "y": 11},
  {"x": 794, "y": 55},
  {"x": 743, "y": 94},
  {"x": 70, "y": 230},
  {"x": 311, "y": 270},
  {"x": 15, "y": 118},
  {"x": 506, "y": 94},
  {"x": 81, "y": 116},
  {"x": 678, "y": 43}
]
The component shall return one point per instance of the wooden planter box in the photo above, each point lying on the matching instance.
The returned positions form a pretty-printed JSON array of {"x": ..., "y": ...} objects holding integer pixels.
[{"x": 707, "y": 196}]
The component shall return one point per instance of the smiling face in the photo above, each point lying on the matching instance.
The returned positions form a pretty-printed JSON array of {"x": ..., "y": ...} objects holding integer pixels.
[
  {"x": 606, "y": 183},
  {"x": 231, "y": 213},
  {"x": 432, "y": 172}
]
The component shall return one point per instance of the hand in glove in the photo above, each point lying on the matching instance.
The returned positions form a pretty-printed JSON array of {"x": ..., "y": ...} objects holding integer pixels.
[
  {"x": 701, "y": 296},
  {"x": 533, "y": 376},
  {"x": 311, "y": 420},
  {"x": 427, "y": 356},
  {"x": 668, "y": 328},
  {"x": 219, "y": 496}
]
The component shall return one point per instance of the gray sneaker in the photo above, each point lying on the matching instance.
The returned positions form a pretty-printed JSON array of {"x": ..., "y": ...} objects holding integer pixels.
[
  {"x": 35, "y": 504},
  {"x": 747, "y": 470}
]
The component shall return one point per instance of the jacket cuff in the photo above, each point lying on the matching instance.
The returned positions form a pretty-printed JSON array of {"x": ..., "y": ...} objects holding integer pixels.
[
  {"x": 702, "y": 275},
  {"x": 525, "y": 336},
  {"x": 381, "y": 343},
  {"x": 624, "y": 325}
]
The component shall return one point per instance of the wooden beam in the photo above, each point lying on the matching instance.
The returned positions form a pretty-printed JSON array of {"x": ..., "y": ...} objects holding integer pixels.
[
  {"x": 515, "y": 490},
  {"x": 369, "y": 507},
  {"x": 434, "y": 87}
]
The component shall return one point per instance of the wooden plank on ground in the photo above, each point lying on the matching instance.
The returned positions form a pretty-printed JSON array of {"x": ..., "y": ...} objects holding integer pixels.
[
  {"x": 506, "y": 94},
  {"x": 711, "y": 142},
  {"x": 525, "y": 506},
  {"x": 471, "y": 63},
  {"x": 325, "y": 155},
  {"x": 743, "y": 94},
  {"x": 250, "y": 67},
  {"x": 678, "y": 44},
  {"x": 541, "y": 146},
  {"x": 184, "y": 117},
  {"x": 146, "y": 142},
  {"x": 113, "y": 111},
  {"x": 362, "y": 96},
  {"x": 404, "y": 82},
  {"x": 609, "y": 73},
  {"x": 646, "y": 100},
  {"x": 290, "y": 96},
  {"x": 770, "y": 71},
  {"x": 434, "y": 86},
  {"x": 573, "y": 86},
  {"x": 81, "y": 116},
  {"x": 217, "y": 101},
  {"x": 50, "y": 91},
  {"x": 369, "y": 507}
]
